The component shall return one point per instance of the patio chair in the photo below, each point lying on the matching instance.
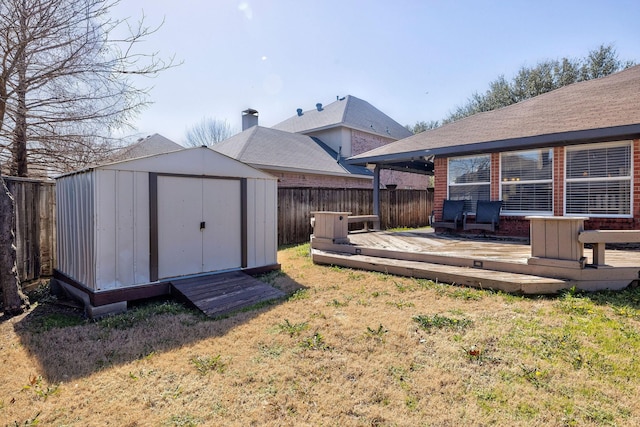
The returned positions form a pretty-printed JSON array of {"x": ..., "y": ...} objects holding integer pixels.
[
  {"x": 452, "y": 215},
  {"x": 487, "y": 216}
]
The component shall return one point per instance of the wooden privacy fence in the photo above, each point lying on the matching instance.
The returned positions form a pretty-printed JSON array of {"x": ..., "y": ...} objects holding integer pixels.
[
  {"x": 35, "y": 226},
  {"x": 398, "y": 208}
]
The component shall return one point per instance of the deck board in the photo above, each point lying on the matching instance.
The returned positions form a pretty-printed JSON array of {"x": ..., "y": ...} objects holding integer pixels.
[{"x": 223, "y": 293}]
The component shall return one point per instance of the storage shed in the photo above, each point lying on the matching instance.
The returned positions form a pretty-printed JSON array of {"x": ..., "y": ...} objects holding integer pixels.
[{"x": 125, "y": 229}]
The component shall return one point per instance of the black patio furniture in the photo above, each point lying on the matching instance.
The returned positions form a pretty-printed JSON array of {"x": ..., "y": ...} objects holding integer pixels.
[
  {"x": 452, "y": 215},
  {"x": 487, "y": 216}
]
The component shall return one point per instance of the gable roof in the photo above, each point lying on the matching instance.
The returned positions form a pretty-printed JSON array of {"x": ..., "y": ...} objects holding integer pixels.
[
  {"x": 603, "y": 109},
  {"x": 151, "y": 145},
  {"x": 195, "y": 161},
  {"x": 350, "y": 112},
  {"x": 274, "y": 149}
]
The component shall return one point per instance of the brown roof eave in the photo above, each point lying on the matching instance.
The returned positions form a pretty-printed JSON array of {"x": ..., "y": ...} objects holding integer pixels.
[{"x": 615, "y": 133}]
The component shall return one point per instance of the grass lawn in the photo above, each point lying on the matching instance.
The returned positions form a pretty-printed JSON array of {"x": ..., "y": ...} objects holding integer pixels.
[{"x": 347, "y": 348}]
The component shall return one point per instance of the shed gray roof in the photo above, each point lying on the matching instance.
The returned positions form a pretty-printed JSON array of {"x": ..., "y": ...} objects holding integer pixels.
[
  {"x": 149, "y": 146},
  {"x": 602, "y": 109},
  {"x": 349, "y": 112},
  {"x": 274, "y": 149}
]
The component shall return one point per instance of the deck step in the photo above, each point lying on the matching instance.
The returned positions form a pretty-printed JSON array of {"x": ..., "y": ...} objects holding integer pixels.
[
  {"x": 223, "y": 293},
  {"x": 466, "y": 276}
]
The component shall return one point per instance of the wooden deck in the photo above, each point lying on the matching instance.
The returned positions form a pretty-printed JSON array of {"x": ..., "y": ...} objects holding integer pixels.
[
  {"x": 480, "y": 262},
  {"x": 223, "y": 293}
]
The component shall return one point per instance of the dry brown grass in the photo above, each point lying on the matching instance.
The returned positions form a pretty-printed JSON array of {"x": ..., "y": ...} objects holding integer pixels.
[{"x": 345, "y": 349}]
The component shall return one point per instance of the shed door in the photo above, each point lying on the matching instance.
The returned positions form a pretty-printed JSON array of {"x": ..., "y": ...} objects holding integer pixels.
[{"x": 199, "y": 225}]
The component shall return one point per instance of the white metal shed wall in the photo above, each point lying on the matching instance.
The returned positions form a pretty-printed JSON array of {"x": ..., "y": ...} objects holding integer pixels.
[
  {"x": 104, "y": 216},
  {"x": 262, "y": 222},
  {"x": 122, "y": 228},
  {"x": 75, "y": 229}
]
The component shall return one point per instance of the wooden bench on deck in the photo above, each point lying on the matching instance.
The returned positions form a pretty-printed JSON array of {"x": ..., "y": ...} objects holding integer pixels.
[
  {"x": 366, "y": 219},
  {"x": 354, "y": 219},
  {"x": 599, "y": 239}
]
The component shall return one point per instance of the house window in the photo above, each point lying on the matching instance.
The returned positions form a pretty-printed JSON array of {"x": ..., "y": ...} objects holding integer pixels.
[
  {"x": 470, "y": 179},
  {"x": 598, "y": 180},
  {"x": 526, "y": 184}
]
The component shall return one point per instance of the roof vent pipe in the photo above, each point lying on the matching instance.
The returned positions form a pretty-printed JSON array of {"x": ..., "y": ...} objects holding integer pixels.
[
  {"x": 299, "y": 111},
  {"x": 319, "y": 106}
]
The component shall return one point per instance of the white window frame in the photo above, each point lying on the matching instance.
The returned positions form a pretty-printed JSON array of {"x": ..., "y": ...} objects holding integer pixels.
[
  {"x": 450, "y": 184},
  {"x": 628, "y": 178},
  {"x": 531, "y": 181}
]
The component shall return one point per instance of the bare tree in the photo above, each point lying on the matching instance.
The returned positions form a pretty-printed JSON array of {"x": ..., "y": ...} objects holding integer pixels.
[
  {"x": 208, "y": 131},
  {"x": 68, "y": 75},
  {"x": 68, "y": 78}
]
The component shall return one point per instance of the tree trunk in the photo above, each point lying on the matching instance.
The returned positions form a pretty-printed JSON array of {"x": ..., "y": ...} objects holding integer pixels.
[
  {"x": 13, "y": 298},
  {"x": 19, "y": 146}
]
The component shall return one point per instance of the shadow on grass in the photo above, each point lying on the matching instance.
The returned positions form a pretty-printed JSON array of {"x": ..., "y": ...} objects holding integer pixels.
[{"x": 68, "y": 346}]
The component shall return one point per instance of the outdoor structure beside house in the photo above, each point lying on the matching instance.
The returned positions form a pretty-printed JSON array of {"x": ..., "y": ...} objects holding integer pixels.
[
  {"x": 574, "y": 151},
  {"x": 125, "y": 229}
]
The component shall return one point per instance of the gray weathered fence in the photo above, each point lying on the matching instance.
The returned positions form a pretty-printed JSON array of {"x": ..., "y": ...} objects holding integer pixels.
[
  {"x": 35, "y": 226},
  {"x": 398, "y": 208}
]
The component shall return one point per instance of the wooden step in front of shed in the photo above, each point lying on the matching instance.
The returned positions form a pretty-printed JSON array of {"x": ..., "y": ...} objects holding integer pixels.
[
  {"x": 465, "y": 276},
  {"x": 223, "y": 293}
]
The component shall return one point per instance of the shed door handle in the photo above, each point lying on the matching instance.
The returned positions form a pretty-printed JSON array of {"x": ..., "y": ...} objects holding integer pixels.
[{"x": 202, "y": 225}]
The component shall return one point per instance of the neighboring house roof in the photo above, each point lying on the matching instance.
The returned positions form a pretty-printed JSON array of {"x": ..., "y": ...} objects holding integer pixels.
[
  {"x": 266, "y": 148},
  {"x": 149, "y": 146},
  {"x": 350, "y": 112},
  {"x": 603, "y": 109}
]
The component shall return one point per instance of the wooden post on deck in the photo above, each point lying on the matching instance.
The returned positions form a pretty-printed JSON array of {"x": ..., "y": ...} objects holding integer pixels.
[{"x": 376, "y": 190}]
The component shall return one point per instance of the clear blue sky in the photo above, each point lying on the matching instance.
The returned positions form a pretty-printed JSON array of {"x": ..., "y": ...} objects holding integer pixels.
[{"x": 414, "y": 60}]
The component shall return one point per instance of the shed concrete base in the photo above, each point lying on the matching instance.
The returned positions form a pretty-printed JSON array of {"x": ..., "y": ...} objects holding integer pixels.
[{"x": 58, "y": 287}]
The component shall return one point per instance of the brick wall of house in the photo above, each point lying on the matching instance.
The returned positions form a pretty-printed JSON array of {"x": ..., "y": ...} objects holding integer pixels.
[
  {"x": 291, "y": 179},
  {"x": 404, "y": 180},
  {"x": 440, "y": 184},
  {"x": 362, "y": 142}
]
